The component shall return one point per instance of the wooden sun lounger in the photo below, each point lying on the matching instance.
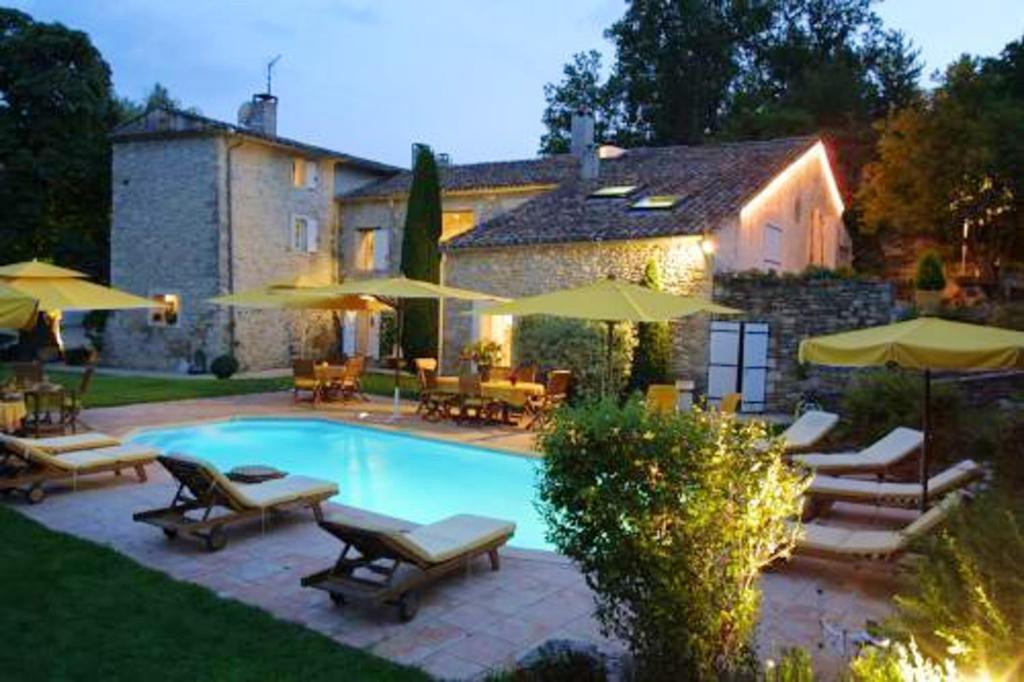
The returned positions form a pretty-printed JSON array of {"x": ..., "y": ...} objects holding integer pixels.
[
  {"x": 382, "y": 565},
  {"x": 25, "y": 466},
  {"x": 60, "y": 444},
  {"x": 825, "y": 490},
  {"x": 202, "y": 490},
  {"x": 808, "y": 429},
  {"x": 882, "y": 545},
  {"x": 880, "y": 458}
]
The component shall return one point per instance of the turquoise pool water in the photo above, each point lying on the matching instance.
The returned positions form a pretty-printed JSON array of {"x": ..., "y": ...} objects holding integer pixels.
[{"x": 403, "y": 476}]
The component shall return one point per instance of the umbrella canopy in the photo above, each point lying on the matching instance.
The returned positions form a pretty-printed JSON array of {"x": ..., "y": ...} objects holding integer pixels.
[
  {"x": 610, "y": 300},
  {"x": 926, "y": 343},
  {"x": 56, "y": 288},
  {"x": 293, "y": 296},
  {"x": 393, "y": 290},
  {"x": 17, "y": 311}
]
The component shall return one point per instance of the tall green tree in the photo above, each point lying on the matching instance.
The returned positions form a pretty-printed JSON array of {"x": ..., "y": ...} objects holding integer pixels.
[
  {"x": 581, "y": 88},
  {"x": 653, "y": 349},
  {"x": 421, "y": 255},
  {"x": 955, "y": 159},
  {"x": 56, "y": 109}
]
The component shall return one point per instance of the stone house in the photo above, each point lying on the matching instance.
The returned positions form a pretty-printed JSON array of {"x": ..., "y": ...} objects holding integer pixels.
[
  {"x": 203, "y": 208},
  {"x": 524, "y": 227}
]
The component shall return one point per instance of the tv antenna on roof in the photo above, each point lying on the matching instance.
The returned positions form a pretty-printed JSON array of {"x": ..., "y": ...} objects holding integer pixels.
[{"x": 270, "y": 67}]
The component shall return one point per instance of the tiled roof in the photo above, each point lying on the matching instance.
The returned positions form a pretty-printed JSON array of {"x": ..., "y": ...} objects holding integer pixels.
[
  {"x": 164, "y": 122},
  {"x": 712, "y": 181},
  {"x": 551, "y": 170}
]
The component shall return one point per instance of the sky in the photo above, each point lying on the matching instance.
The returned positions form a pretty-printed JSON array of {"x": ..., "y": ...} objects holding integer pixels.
[{"x": 371, "y": 77}]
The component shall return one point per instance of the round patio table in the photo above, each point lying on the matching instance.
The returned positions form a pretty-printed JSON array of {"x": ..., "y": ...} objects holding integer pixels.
[
  {"x": 515, "y": 394},
  {"x": 254, "y": 473}
]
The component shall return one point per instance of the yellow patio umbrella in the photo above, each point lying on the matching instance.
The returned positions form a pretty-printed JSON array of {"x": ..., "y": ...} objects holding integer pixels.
[
  {"x": 926, "y": 343},
  {"x": 394, "y": 290},
  {"x": 17, "y": 311},
  {"x": 610, "y": 300},
  {"x": 58, "y": 289}
]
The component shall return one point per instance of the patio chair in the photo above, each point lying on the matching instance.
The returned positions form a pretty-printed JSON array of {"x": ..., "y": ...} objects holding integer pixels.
[
  {"x": 27, "y": 374},
  {"x": 425, "y": 363},
  {"x": 26, "y": 467},
  {"x": 351, "y": 384},
  {"x": 731, "y": 403},
  {"x": 825, "y": 490},
  {"x": 880, "y": 458},
  {"x": 305, "y": 379},
  {"x": 555, "y": 394},
  {"x": 526, "y": 373},
  {"x": 831, "y": 542},
  {"x": 204, "y": 490},
  {"x": 500, "y": 373},
  {"x": 808, "y": 429},
  {"x": 384, "y": 565},
  {"x": 662, "y": 398},
  {"x": 433, "y": 403},
  {"x": 470, "y": 403},
  {"x": 73, "y": 400}
]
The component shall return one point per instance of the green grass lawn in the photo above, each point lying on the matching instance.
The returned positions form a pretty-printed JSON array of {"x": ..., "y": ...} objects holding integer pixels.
[
  {"x": 73, "y": 610},
  {"x": 110, "y": 391}
]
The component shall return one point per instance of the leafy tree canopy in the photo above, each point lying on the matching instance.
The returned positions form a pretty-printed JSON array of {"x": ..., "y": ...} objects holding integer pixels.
[{"x": 421, "y": 255}]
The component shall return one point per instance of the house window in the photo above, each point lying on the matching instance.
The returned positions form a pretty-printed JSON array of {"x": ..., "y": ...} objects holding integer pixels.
[
  {"x": 497, "y": 328},
  {"x": 305, "y": 174},
  {"x": 454, "y": 223},
  {"x": 303, "y": 234},
  {"x": 772, "y": 247},
  {"x": 373, "y": 249},
  {"x": 168, "y": 313}
]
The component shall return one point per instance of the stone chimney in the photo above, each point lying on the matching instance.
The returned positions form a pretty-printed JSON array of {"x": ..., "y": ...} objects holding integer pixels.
[
  {"x": 582, "y": 145},
  {"x": 260, "y": 115}
]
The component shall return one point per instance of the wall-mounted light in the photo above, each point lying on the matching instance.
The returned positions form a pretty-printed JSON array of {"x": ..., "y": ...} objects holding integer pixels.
[{"x": 707, "y": 245}]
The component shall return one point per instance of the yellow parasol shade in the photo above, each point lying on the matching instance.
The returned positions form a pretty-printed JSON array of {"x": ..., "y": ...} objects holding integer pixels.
[
  {"x": 925, "y": 343},
  {"x": 271, "y": 297},
  {"x": 610, "y": 300},
  {"x": 56, "y": 288},
  {"x": 17, "y": 311}
]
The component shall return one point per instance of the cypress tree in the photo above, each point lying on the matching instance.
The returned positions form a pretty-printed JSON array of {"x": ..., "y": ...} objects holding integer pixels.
[
  {"x": 421, "y": 255},
  {"x": 650, "y": 364}
]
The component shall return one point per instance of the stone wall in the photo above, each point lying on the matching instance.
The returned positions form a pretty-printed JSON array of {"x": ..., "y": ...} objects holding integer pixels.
[
  {"x": 796, "y": 308},
  {"x": 525, "y": 271},
  {"x": 165, "y": 239}
]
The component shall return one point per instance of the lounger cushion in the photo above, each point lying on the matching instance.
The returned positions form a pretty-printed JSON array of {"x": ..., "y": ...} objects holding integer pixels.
[
  {"x": 808, "y": 429},
  {"x": 455, "y": 535},
  {"x": 82, "y": 460},
  {"x": 830, "y": 540},
  {"x": 873, "y": 491},
  {"x": 889, "y": 450},
  {"x": 60, "y": 444},
  {"x": 281, "y": 491}
]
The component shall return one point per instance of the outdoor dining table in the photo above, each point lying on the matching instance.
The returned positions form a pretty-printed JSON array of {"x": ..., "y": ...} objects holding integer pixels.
[{"x": 515, "y": 394}]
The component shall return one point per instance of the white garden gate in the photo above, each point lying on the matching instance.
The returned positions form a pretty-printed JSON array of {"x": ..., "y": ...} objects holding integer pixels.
[{"x": 738, "y": 363}]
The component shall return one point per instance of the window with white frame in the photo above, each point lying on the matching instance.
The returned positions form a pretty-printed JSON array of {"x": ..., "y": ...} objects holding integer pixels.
[
  {"x": 497, "y": 328},
  {"x": 168, "y": 311},
  {"x": 305, "y": 174},
  {"x": 772, "y": 247},
  {"x": 303, "y": 234}
]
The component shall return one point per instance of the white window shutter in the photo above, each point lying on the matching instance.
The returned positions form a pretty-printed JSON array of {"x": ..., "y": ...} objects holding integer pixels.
[
  {"x": 312, "y": 235},
  {"x": 381, "y": 249}
]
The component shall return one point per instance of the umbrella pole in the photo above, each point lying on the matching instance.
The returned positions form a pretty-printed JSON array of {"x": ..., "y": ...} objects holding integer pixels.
[
  {"x": 398, "y": 358},
  {"x": 926, "y": 444},
  {"x": 608, "y": 358}
]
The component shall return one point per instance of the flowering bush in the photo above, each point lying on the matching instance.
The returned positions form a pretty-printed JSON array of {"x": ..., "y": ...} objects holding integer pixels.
[{"x": 671, "y": 519}]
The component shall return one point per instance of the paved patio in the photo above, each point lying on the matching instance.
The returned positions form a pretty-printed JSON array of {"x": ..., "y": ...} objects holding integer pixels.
[{"x": 467, "y": 624}]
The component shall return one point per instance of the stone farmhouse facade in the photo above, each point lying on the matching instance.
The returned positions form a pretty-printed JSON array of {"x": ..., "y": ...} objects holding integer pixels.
[{"x": 203, "y": 208}]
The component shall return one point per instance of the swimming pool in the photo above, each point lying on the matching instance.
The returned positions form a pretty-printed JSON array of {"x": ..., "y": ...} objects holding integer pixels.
[{"x": 412, "y": 478}]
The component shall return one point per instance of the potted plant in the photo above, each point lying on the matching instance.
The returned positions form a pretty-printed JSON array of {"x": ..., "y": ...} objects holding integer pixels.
[
  {"x": 484, "y": 355},
  {"x": 929, "y": 282}
]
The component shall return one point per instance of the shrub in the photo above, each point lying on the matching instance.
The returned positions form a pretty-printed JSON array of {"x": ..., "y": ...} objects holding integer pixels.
[
  {"x": 563, "y": 343},
  {"x": 900, "y": 663},
  {"x": 224, "y": 366},
  {"x": 877, "y": 401},
  {"x": 929, "y": 275},
  {"x": 671, "y": 519},
  {"x": 653, "y": 350},
  {"x": 78, "y": 356},
  {"x": 966, "y": 597},
  {"x": 793, "y": 666}
]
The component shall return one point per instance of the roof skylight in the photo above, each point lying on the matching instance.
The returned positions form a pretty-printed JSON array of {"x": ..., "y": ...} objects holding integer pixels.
[
  {"x": 656, "y": 202},
  {"x": 613, "y": 192}
]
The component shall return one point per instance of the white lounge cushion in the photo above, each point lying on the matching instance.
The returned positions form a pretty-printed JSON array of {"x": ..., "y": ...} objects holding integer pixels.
[
  {"x": 873, "y": 491},
  {"x": 281, "y": 491},
  {"x": 808, "y": 429},
  {"x": 895, "y": 446},
  {"x": 81, "y": 460},
  {"x": 61, "y": 444},
  {"x": 455, "y": 535}
]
